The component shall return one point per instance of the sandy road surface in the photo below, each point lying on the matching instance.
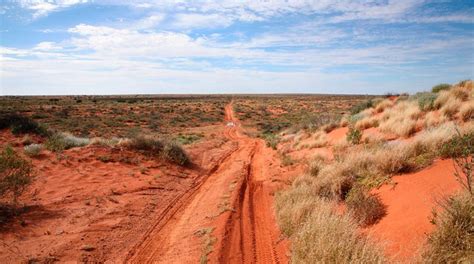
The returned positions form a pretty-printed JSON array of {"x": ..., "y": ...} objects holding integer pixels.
[{"x": 233, "y": 201}]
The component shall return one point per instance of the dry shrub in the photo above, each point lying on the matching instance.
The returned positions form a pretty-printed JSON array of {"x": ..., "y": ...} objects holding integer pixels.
[
  {"x": 320, "y": 140},
  {"x": 144, "y": 144},
  {"x": 433, "y": 138},
  {"x": 401, "y": 119},
  {"x": 107, "y": 142},
  {"x": 316, "y": 164},
  {"x": 442, "y": 98},
  {"x": 373, "y": 138},
  {"x": 318, "y": 234},
  {"x": 451, "y": 107},
  {"x": 329, "y": 127},
  {"x": 344, "y": 121},
  {"x": 173, "y": 152},
  {"x": 33, "y": 150},
  {"x": 367, "y": 122},
  {"x": 400, "y": 127},
  {"x": 466, "y": 112},
  {"x": 168, "y": 150},
  {"x": 453, "y": 240},
  {"x": 387, "y": 103},
  {"x": 460, "y": 93},
  {"x": 366, "y": 208},
  {"x": 433, "y": 119},
  {"x": 293, "y": 207}
]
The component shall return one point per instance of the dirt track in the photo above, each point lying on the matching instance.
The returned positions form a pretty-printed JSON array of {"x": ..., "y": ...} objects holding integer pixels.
[{"x": 227, "y": 217}]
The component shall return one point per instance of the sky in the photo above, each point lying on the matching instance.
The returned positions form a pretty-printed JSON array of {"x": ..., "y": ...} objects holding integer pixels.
[{"x": 74, "y": 47}]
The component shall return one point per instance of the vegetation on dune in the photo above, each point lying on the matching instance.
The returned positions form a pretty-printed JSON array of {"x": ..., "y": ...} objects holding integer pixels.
[
  {"x": 21, "y": 125},
  {"x": 354, "y": 135},
  {"x": 453, "y": 239},
  {"x": 15, "y": 174},
  {"x": 168, "y": 150},
  {"x": 359, "y": 165},
  {"x": 318, "y": 233},
  {"x": 62, "y": 141},
  {"x": 440, "y": 87},
  {"x": 362, "y": 106},
  {"x": 366, "y": 208}
]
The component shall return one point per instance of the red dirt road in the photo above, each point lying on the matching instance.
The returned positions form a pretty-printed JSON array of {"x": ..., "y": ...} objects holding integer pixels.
[{"x": 226, "y": 218}]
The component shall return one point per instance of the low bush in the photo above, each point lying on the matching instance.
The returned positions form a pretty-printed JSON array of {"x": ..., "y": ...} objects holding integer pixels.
[
  {"x": 425, "y": 100},
  {"x": 15, "y": 174},
  {"x": 362, "y": 106},
  {"x": 453, "y": 239},
  {"x": 271, "y": 140},
  {"x": 61, "y": 141},
  {"x": 366, "y": 208},
  {"x": 173, "y": 152},
  {"x": 354, "y": 135},
  {"x": 145, "y": 144},
  {"x": 21, "y": 125},
  {"x": 440, "y": 87},
  {"x": 458, "y": 146},
  {"x": 33, "y": 150}
]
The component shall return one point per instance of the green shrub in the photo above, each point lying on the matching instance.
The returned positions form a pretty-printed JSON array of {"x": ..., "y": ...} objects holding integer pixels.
[
  {"x": 425, "y": 100},
  {"x": 15, "y": 174},
  {"x": 354, "y": 135},
  {"x": 366, "y": 208},
  {"x": 188, "y": 139},
  {"x": 271, "y": 140},
  {"x": 362, "y": 106},
  {"x": 458, "y": 146},
  {"x": 21, "y": 125},
  {"x": 453, "y": 239},
  {"x": 33, "y": 150},
  {"x": 173, "y": 152},
  {"x": 440, "y": 87}
]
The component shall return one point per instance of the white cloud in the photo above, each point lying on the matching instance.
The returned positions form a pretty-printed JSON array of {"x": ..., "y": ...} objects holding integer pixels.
[
  {"x": 194, "y": 20},
  {"x": 43, "y": 7}
]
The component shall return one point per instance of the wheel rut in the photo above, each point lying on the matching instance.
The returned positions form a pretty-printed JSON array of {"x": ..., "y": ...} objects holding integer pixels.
[{"x": 246, "y": 233}]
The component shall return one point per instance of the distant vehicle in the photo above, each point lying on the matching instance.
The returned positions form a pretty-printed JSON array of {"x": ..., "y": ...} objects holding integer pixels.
[{"x": 230, "y": 124}]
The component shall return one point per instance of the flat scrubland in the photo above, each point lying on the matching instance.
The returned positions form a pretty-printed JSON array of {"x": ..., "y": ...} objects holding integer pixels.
[{"x": 242, "y": 178}]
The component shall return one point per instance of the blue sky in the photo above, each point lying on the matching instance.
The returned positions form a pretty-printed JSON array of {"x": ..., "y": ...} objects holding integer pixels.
[{"x": 153, "y": 47}]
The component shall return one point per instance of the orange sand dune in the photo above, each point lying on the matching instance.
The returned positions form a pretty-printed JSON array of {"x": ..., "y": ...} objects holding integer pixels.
[{"x": 410, "y": 200}]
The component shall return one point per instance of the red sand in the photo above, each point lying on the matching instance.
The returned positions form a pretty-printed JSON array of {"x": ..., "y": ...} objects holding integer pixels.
[
  {"x": 409, "y": 202},
  {"x": 337, "y": 134}
]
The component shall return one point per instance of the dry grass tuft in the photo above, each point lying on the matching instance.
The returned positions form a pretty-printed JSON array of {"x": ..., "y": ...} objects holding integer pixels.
[
  {"x": 367, "y": 122},
  {"x": 344, "y": 121},
  {"x": 401, "y": 119},
  {"x": 466, "y": 112},
  {"x": 433, "y": 119},
  {"x": 387, "y": 103},
  {"x": 366, "y": 208},
  {"x": 451, "y": 107},
  {"x": 318, "y": 234},
  {"x": 453, "y": 240}
]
